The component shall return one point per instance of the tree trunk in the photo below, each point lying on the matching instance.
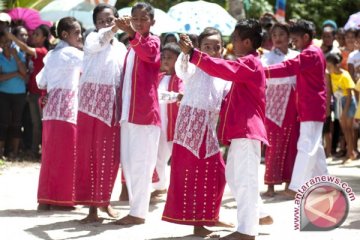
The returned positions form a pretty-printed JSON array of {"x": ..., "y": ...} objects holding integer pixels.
[{"x": 236, "y": 9}]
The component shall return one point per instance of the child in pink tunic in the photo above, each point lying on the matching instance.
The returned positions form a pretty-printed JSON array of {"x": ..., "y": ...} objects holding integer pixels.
[{"x": 242, "y": 119}]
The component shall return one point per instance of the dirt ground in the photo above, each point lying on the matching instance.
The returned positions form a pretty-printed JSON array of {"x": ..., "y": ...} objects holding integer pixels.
[{"x": 20, "y": 220}]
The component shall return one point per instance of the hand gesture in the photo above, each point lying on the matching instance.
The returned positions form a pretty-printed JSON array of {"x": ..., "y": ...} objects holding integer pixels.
[
  {"x": 124, "y": 23},
  {"x": 185, "y": 44}
]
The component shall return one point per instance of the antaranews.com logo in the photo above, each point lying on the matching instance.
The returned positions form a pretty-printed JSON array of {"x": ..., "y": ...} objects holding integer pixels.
[{"x": 322, "y": 204}]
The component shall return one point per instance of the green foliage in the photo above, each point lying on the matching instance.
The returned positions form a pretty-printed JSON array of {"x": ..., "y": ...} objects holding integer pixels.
[
  {"x": 35, "y": 4},
  {"x": 258, "y": 8},
  {"x": 320, "y": 10}
]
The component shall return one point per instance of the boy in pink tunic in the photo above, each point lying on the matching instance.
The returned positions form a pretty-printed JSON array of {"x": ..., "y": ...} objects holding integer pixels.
[
  {"x": 309, "y": 69},
  {"x": 241, "y": 119},
  {"x": 140, "y": 116}
]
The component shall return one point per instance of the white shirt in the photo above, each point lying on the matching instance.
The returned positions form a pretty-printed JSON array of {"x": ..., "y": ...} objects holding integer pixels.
[
  {"x": 103, "y": 65},
  {"x": 60, "y": 78}
]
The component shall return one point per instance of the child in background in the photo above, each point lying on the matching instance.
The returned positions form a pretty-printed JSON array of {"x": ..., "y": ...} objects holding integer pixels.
[
  {"x": 170, "y": 88},
  {"x": 197, "y": 178},
  {"x": 60, "y": 78},
  {"x": 140, "y": 116},
  {"x": 309, "y": 69},
  {"x": 345, "y": 104},
  {"x": 242, "y": 119},
  {"x": 281, "y": 115},
  {"x": 354, "y": 60},
  {"x": 98, "y": 153},
  {"x": 40, "y": 41}
]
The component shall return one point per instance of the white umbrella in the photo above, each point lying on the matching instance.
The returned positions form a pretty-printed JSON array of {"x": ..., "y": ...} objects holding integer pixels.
[
  {"x": 78, "y": 9},
  {"x": 195, "y": 16},
  {"x": 163, "y": 22},
  {"x": 353, "y": 21}
]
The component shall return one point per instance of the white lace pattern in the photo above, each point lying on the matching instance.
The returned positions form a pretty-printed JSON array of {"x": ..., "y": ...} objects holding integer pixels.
[
  {"x": 61, "y": 105},
  {"x": 97, "y": 100},
  {"x": 199, "y": 108}
]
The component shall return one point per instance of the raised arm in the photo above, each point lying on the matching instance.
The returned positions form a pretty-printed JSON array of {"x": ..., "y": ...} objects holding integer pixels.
[
  {"x": 239, "y": 70},
  {"x": 183, "y": 68},
  {"x": 23, "y": 46},
  {"x": 97, "y": 41},
  {"x": 147, "y": 48}
]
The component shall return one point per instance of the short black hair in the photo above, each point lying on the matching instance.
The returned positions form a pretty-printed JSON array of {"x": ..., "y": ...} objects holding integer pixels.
[
  {"x": 209, "y": 31},
  {"x": 173, "y": 47},
  {"x": 100, "y": 7},
  {"x": 302, "y": 27},
  {"x": 250, "y": 29},
  {"x": 334, "y": 58},
  {"x": 282, "y": 26},
  {"x": 65, "y": 24},
  {"x": 147, "y": 6}
]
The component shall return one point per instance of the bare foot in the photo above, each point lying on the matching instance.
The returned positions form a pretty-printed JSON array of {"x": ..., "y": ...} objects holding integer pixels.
[
  {"x": 268, "y": 193},
  {"x": 201, "y": 231},
  {"x": 110, "y": 211},
  {"x": 224, "y": 224},
  {"x": 290, "y": 194},
  {"x": 124, "y": 195},
  {"x": 158, "y": 193},
  {"x": 347, "y": 160},
  {"x": 91, "y": 218},
  {"x": 43, "y": 207},
  {"x": 130, "y": 220},
  {"x": 237, "y": 236},
  {"x": 268, "y": 220},
  {"x": 62, "y": 208}
]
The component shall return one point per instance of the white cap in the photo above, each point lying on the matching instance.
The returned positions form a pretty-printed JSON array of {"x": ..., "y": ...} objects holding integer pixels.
[{"x": 4, "y": 17}]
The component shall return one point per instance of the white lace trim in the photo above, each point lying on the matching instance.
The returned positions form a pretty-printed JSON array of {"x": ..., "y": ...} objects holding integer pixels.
[
  {"x": 61, "y": 105},
  {"x": 97, "y": 100},
  {"x": 277, "y": 98},
  {"x": 190, "y": 128}
]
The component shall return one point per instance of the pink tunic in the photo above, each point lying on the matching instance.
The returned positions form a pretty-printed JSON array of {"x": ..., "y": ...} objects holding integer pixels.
[
  {"x": 143, "y": 100},
  {"x": 243, "y": 112},
  {"x": 309, "y": 68}
]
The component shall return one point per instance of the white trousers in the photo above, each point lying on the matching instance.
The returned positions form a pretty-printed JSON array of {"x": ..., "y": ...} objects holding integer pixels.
[
  {"x": 310, "y": 159},
  {"x": 163, "y": 156},
  {"x": 139, "y": 147},
  {"x": 242, "y": 175}
]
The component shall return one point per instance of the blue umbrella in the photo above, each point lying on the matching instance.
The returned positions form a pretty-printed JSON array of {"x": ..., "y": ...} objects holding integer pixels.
[{"x": 193, "y": 17}]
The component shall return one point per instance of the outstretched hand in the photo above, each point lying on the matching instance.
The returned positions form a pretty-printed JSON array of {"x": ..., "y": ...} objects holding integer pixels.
[{"x": 185, "y": 44}]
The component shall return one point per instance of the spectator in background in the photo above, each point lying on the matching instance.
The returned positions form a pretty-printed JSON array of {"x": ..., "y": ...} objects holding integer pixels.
[
  {"x": 340, "y": 37},
  {"x": 41, "y": 45},
  {"x": 171, "y": 37},
  {"x": 350, "y": 37},
  {"x": 12, "y": 95},
  {"x": 354, "y": 60},
  {"x": 22, "y": 34},
  {"x": 266, "y": 21},
  {"x": 328, "y": 38}
]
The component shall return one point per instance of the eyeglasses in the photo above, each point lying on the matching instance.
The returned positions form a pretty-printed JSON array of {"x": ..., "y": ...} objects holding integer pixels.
[{"x": 108, "y": 21}]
